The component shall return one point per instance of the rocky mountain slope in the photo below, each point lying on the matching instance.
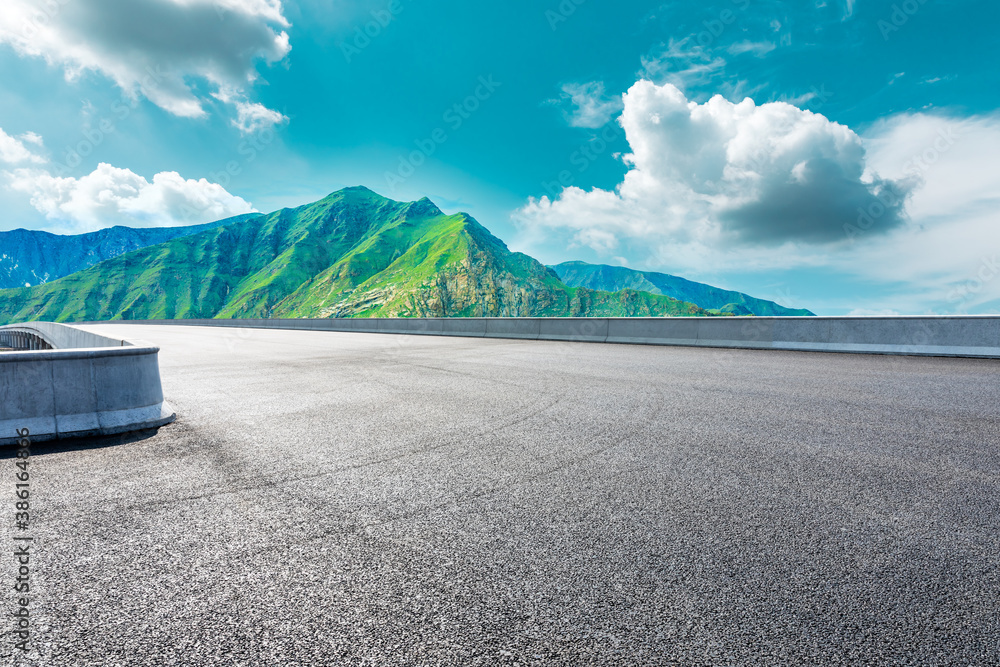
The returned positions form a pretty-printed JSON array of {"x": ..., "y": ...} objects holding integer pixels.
[{"x": 352, "y": 254}]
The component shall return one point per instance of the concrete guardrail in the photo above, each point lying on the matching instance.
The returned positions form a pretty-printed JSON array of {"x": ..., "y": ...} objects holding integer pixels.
[
  {"x": 61, "y": 382},
  {"x": 949, "y": 336}
]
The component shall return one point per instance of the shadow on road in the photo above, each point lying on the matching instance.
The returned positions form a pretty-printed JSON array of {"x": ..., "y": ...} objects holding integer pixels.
[{"x": 77, "y": 444}]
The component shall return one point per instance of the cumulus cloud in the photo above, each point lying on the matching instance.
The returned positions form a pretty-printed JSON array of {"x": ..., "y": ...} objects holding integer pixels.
[
  {"x": 111, "y": 196},
  {"x": 953, "y": 157},
  {"x": 13, "y": 149},
  {"x": 251, "y": 117},
  {"x": 674, "y": 210},
  {"x": 952, "y": 248},
  {"x": 724, "y": 174},
  {"x": 589, "y": 105},
  {"x": 152, "y": 47}
]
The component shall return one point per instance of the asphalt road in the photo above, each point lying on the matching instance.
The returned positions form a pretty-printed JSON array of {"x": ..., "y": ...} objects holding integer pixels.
[{"x": 328, "y": 498}]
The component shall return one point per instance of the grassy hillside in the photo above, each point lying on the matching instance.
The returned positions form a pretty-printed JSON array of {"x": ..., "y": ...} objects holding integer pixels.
[
  {"x": 352, "y": 254},
  {"x": 612, "y": 278},
  {"x": 31, "y": 257}
]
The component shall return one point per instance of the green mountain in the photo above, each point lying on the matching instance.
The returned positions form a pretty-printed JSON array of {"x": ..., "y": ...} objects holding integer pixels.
[
  {"x": 612, "y": 278},
  {"x": 31, "y": 257},
  {"x": 352, "y": 254}
]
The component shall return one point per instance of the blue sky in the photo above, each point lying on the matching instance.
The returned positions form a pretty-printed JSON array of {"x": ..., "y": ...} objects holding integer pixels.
[{"x": 609, "y": 132}]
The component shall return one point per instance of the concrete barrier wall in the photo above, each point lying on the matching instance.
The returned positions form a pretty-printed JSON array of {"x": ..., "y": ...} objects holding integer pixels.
[
  {"x": 87, "y": 385},
  {"x": 61, "y": 336},
  {"x": 955, "y": 336},
  {"x": 22, "y": 340}
]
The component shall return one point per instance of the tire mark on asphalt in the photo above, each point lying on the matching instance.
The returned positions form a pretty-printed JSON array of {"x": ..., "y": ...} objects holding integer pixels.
[{"x": 240, "y": 483}]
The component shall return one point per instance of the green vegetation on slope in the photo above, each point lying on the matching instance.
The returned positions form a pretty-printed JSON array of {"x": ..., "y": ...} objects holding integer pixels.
[
  {"x": 32, "y": 257},
  {"x": 352, "y": 254},
  {"x": 714, "y": 299}
]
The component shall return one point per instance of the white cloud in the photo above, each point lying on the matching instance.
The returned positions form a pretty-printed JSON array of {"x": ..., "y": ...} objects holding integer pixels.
[
  {"x": 758, "y": 49},
  {"x": 712, "y": 189},
  {"x": 955, "y": 158},
  {"x": 152, "y": 47},
  {"x": 951, "y": 250},
  {"x": 591, "y": 107},
  {"x": 111, "y": 196},
  {"x": 683, "y": 63},
  {"x": 718, "y": 176},
  {"x": 14, "y": 151},
  {"x": 32, "y": 138},
  {"x": 692, "y": 65},
  {"x": 251, "y": 117},
  {"x": 946, "y": 259}
]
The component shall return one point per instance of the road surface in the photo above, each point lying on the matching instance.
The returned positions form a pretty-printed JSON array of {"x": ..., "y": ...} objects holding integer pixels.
[{"x": 335, "y": 498}]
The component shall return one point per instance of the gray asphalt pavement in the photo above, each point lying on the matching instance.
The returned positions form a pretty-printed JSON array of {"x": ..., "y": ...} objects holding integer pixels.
[{"x": 328, "y": 499}]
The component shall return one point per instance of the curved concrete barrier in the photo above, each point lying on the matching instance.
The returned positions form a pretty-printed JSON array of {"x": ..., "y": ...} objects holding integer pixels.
[
  {"x": 54, "y": 336},
  {"x": 22, "y": 340},
  {"x": 78, "y": 384},
  {"x": 943, "y": 336}
]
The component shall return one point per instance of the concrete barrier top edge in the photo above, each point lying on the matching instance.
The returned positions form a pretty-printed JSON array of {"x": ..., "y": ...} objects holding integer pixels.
[
  {"x": 696, "y": 318},
  {"x": 76, "y": 353},
  {"x": 65, "y": 336}
]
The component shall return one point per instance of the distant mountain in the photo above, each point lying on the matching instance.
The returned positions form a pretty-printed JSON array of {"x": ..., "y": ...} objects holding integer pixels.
[
  {"x": 612, "y": 278},
  {"x": 352, "y": 254},
  {"x": 33, "y": 257}
]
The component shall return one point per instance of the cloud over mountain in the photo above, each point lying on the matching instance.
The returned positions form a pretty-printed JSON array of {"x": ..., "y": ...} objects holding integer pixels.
[
  {"x": 727, "y": 174},
  {"x": 111, "y": 196}
]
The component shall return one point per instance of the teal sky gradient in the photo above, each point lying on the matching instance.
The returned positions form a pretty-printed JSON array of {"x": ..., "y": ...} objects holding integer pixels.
[{"x": 357, "y": 108}]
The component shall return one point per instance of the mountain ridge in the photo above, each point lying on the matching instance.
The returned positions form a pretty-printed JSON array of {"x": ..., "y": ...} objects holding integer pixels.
[
  {"x": 609, "y": 278},
  {"x": 34, "y": 257},
  {"x": 350, "y": 254}
]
